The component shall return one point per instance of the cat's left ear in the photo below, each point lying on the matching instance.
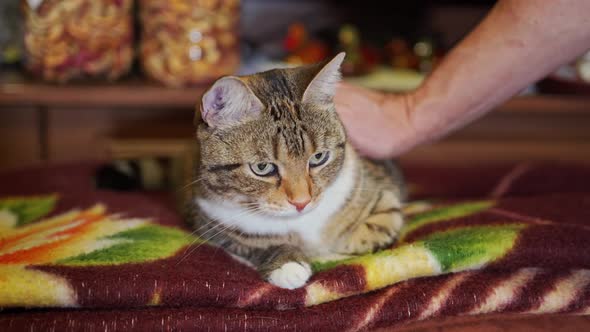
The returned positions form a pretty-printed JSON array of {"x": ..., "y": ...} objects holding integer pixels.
[
  {"x": 322, "y": 87},
  {"x": 229, "y": 102}
]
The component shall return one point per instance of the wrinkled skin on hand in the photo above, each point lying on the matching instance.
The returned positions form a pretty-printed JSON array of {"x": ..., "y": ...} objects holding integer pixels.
[{"x": 378, "y": 125}]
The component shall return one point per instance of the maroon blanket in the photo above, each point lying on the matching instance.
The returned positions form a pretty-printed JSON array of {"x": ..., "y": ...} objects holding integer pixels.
[{"x": 194, "y": 286}]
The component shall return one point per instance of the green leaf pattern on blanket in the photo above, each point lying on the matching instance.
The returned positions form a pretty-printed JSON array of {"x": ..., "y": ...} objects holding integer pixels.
[
  {"x": 449, "y": 249},
  {"x": 471, "y": 247},
  {"x": 415, "y": 222},
  {"x": 442, "y": 214},
  {"x": 24, "y": 210},
  {"x": 137, "y": 245}
]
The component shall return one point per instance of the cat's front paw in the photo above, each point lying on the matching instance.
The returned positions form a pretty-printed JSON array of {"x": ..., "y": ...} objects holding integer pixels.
[
  {"x": 290, "y": 275},
  {"x": 375, "y": 233}
]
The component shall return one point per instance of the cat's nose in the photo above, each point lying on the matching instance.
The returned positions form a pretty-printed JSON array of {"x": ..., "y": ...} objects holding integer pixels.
[{"x": 300, "y": 205}]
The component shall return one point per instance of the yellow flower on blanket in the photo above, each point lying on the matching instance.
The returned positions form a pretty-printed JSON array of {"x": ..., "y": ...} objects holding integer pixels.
[
  {"x": 61, "y": 237},
  {"x": 79, "y": 237}
]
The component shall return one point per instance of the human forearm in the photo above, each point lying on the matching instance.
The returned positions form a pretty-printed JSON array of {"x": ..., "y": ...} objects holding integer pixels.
[{"x": 519, "y": 42}]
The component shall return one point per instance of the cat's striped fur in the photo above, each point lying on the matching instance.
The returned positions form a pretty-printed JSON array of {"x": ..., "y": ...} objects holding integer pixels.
[{"x": 347, "y": 205}]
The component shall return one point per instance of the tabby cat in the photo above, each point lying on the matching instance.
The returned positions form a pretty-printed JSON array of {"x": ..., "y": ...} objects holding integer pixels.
[{"x": 278, "y": 183}]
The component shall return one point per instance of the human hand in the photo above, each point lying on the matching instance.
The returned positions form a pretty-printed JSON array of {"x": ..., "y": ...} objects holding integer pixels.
[{"x": 378, "y": 125}]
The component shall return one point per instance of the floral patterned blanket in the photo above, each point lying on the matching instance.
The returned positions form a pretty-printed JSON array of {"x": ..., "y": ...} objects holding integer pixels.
[{"x": 513, "y": 240}]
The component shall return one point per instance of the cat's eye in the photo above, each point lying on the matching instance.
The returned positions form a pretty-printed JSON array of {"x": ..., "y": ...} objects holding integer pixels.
[
  {"x": 319, "y": 159},
  {"x": 264, "y": 169}
]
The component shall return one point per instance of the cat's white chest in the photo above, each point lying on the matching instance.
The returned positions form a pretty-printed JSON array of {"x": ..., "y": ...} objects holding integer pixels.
[{"x": 308, "y": 226}]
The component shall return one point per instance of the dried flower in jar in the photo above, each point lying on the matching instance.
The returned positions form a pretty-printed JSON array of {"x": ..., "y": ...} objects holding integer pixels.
[
  {"x": 186, "y": 42},
  {"x": 69, "y": 39}
]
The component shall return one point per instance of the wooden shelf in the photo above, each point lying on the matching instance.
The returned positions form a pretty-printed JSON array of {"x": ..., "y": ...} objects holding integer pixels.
[
  {"x": 547, "y": 104},
  {"x": 138, "y": 93},
  {"x": 478, "y": 152},
  {"x": 129, "y": 93}
]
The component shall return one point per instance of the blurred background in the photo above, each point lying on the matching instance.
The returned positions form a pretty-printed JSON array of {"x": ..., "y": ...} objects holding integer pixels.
[{"x": 103, "y": 79}]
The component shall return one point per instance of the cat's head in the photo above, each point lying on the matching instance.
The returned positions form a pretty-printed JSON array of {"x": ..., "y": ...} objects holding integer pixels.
[{"x": 272, "y": 142}]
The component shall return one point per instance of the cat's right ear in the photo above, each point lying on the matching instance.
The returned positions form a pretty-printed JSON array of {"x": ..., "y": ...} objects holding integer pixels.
[
  {"x": 229, "y": 102},
  {"x": 322, "y": 87}
]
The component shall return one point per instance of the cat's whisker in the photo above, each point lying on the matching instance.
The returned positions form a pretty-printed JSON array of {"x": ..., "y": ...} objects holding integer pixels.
[
  {"x": 191, "y": 234},
  {"x": 249, "y": 213},
  {"x": 250, "y": 204},
  {"x": 220, "y": 228},
  {"x": 211, "y": 221},
  {"x": 218, "y": 221},
  {"x": 186, "y": 186},
  {"x": 190, "y": 249},
  {"x": 200, "y": 236},
  {"x": 193, "y": 249}
]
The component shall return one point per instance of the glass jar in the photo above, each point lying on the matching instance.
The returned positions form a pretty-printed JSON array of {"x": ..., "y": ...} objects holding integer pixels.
[
  {"x": 73, "y": 39},
  {"x": 187, "y": 42},
  {"x": 10, "y": 34}
]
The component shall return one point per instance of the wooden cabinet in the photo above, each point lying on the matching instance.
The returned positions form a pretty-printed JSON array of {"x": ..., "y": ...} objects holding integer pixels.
[
  {"x": 20, "y": 137},
  {"x": 534, "y": 128},
  {"x": 51, "y": 123}
]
